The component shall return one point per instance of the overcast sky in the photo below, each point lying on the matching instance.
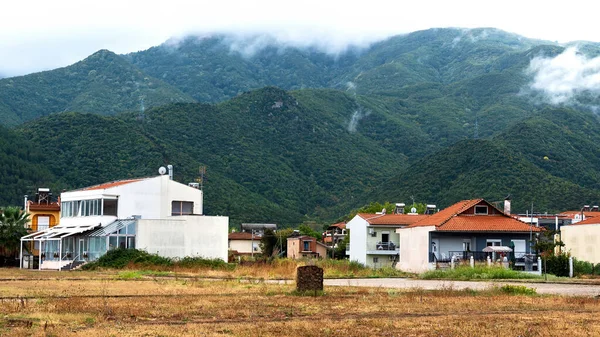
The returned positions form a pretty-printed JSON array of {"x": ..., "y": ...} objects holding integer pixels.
[{"x": 40, "y": 35}]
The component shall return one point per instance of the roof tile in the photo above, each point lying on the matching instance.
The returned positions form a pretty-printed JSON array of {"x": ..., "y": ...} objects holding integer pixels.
[{"x": 392, "y": 219}]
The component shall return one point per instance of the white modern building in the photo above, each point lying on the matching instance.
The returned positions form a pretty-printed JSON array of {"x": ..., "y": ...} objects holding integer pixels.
[
  {"x": 155, "y": 214},
  {"x": 373, "y": 238}
]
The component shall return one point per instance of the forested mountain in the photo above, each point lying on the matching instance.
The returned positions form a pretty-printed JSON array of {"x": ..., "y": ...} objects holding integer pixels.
[
  {"x": 441, "y": 115},
  {"x": 104, "y": 83},
  {"x": 22, "y": 168},
  {"x": 286, "y": 160}
]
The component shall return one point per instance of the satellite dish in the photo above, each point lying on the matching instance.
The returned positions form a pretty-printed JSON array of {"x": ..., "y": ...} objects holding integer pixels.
[
  {"x": 413, "y": 210},
  {"x": 162, "y": 170}
]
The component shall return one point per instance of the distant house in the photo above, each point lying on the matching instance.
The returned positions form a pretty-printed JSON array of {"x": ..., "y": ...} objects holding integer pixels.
[
  {"x": 244, "y": 243},
  {"x": 155, "y": 214},
  {"x": 584, "y": 213},
  {"x": 258, "y": 228},
  {"x": 461, "y": 230},
  {"x": 305, "y": 246},
  {"x": 373, "y": 238},
  {"x": 44, "y": 211},
  {"x": 582, "y": 239},
  {"x": 334, "y": 234}
]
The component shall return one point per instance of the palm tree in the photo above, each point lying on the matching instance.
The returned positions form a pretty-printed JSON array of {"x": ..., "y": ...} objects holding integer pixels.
[{"x": 12, "y": 227}]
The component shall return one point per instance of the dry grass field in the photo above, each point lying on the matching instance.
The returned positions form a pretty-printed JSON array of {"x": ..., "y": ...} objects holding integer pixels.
[{"x": 125, "y": 304}]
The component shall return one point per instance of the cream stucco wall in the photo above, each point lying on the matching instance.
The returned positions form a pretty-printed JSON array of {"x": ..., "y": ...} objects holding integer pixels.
[
  {"x": 358, "y": 239},
  {"x": 245, "y": 246},
  {"x": 582, "y": 241},
  {"x": 414, "y": 249},
  {"x": 204, "y": 236}
]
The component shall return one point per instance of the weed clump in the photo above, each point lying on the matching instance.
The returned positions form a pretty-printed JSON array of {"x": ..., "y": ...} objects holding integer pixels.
[
  {"x": 477, "y": 273},
  {"x": 516, "y": 290},
  {"x": 121, "y": 258}
]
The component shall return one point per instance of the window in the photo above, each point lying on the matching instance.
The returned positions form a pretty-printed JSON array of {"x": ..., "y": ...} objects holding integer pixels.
[
  {"x": 182, "y": 207},
  {"x": 375, "y": 260},
  {"x": 110, "y": 207},
  {"x": 481, "y": 210},
  {"x": 466, "y": 246},
  {"x": 306, "y": 247},
  {"x": 81, "y": 208},
  {"x": 43, "y": 222}
]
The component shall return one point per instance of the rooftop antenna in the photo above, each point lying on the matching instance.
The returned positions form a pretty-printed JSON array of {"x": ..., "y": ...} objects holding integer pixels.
[{"x": 201, "y": 177}]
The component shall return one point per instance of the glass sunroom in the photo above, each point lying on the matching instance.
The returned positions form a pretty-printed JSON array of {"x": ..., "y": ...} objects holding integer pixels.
[{"x": 69, "y": 246}]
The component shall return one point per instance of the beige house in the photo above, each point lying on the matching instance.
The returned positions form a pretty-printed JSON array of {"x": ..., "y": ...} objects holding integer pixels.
[
  {"x": 244, "y": 243},
  {"x": 305, "y": 246},
  {"x": 582, "y": 239}
]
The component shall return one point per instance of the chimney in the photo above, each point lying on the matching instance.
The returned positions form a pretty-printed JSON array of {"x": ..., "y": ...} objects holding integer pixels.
[
  {"x": 430, "y": 209},
  {"x": 586, "y": 208},
  {"x": 25, "y": 204},
  {"x": 507, "y": 205},
  {"x": 399, "y": 208},
  {"x": 594, "y": 208},
  {"x": 170, "y": 168}
]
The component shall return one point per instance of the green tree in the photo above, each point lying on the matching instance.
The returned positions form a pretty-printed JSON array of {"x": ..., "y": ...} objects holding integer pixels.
[
  {"x": 307, "y": 230},
  {"x": 282, "y": 236},
  {"x": 340, "y": 250},
  {"x": 268, "y": 244},
  {"x": 12, "y": 228}
]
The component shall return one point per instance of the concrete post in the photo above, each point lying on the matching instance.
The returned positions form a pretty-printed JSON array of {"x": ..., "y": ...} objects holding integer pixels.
[
  {"x": 59, "y": 254},
  {"x": 21, "y": 255},
  {"x": 40, "y": 250},
  {"x": 539, "y": 266},
  {"x": 570, "y": 266},
  {"x": 489, "y": 261},
  {"x": 452, "y": 262},
  {"x": 472, "y": 262}
]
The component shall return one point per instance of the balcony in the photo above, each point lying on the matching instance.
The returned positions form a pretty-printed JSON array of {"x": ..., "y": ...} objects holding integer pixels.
[
  {"x": 383, "y": 248},
  {"x": 53, "y": 206}
]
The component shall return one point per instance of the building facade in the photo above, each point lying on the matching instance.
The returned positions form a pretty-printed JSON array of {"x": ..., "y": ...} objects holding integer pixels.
[{"x": 155, "y": 214}]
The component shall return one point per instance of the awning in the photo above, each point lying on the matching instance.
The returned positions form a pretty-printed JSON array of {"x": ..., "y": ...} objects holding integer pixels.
[
  {"x": 58, "y": 232},
  {"x": 497, "y": 249},
  {"x": 112, "y": 227}
]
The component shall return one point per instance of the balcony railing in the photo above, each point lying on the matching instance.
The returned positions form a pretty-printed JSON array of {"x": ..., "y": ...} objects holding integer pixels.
[
  {"x": 480, "y": 256},
  {"x": 53, "y": 206}
]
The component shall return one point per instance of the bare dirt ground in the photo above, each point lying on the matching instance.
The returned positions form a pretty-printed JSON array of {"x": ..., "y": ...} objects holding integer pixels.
[{"x": 122, "y": 304}]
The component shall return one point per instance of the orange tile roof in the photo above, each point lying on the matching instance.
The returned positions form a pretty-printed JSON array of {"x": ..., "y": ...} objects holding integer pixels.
[
  {"x": 447, "y": 213},
  {"x": 340, "y": 225},
  {"x": 452, "y": 219},
  {"x": 111, "y": 184},
  {"x": 392, "y": 219},
  {"x": 588, "y": 221},
  {"x": 486, "y": 223},
  {"x": 571, "y": 214},
  {"x": 243, "y": 236}
]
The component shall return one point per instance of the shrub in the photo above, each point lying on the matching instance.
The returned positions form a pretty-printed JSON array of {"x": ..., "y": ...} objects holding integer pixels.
[
  {"x": 517, "y": 290},
  {"x": 199, "y": 262},
  {"x": 479, "y": 272},
  {"x": 557, "y": 264}
]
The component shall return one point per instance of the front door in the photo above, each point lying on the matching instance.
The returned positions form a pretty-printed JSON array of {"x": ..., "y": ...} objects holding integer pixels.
[
  {"x": 495, "y": 243},
  {"x": 435, "y": 246},
  {"x": 81, "y": 249}
]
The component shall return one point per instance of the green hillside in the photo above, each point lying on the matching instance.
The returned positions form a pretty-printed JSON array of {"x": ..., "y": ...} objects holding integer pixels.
[
  {"x": 440, "y": 114},
  {"x": 482, "y": 169},
  {"x": 269, "y": 157},
  {"x": 104, "y": 83},
  {"x": 21, "y": 168}
]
